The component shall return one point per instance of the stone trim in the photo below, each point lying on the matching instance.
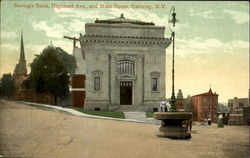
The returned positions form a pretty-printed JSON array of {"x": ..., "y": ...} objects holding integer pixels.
[
  {"x": 155, "y": 74},
  {"x": 97, "y": 73},
  {"x": 117, "y": 36},
  {"x": 126, "y": 40}
]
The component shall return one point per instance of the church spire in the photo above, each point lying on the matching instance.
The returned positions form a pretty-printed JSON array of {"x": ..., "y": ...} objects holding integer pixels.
[
  {"x": 21, "y": 66},
  {"x": 22, "y": 55}
]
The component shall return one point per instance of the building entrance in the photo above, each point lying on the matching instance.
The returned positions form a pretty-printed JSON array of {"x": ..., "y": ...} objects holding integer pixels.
[{"x": 125, "y": 93}]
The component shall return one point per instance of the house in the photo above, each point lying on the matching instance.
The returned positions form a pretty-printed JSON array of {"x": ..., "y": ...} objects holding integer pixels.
[{"x": 205, "y": 106}]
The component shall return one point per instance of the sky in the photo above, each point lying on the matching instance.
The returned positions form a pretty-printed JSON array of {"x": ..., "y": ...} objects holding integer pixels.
[{"x": 212, "y": 38}]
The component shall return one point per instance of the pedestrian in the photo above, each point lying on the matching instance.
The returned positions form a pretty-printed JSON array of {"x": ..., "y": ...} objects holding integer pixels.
[
  {"x": 209, "y": 121},
  {"x": 190, "y": 125}
]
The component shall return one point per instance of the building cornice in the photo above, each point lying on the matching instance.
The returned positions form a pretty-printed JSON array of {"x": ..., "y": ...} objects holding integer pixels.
[{"x": 135, "y": 40}]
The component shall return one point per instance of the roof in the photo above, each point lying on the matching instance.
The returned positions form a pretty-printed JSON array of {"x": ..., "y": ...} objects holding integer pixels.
[
  {"x": 209, "y": 93},
  {"x": 122, "y": 19}
]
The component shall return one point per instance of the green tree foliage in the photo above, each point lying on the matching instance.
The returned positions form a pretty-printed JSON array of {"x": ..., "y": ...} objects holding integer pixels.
[
  {"x": 7, "y": 85},
  {"x": 221, "y": 107},
  {"x": 68, "y": 60},
  {"x": 49, "y": 73}
]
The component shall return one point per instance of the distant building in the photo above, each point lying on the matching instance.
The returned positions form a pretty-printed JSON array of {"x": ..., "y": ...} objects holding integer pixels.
[
  {"x": 237, "y": 103},
  {"x": 179, "y": 94},
  {"x": 20, "y": 72},
  {"x": 205, "y": 106},
  {"x": 183, "y": 104},
  {"x": 239, "y": 111}
]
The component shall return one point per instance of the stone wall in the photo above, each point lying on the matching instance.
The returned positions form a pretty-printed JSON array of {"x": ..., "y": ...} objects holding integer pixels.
[
  {"x": 106, "y": 44},
  {"x": 32, "y": 96},
  {"x": 236, "y": 118}
]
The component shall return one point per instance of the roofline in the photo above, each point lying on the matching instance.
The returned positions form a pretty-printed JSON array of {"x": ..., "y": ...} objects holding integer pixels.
[
  {"x": 117, "y": 22},
  {"x": 204, "y": 94}
]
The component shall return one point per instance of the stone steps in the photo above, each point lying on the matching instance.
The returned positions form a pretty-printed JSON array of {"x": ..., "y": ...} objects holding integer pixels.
[
  {"x": 131, "y": 108},
  {"x": 135, "y": 115}
]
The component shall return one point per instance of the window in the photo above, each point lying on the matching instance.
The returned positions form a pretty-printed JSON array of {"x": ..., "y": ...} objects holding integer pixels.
[
  {"x": 208, "y": 100},
  {"x": 154, "y": 84},
  {"x": 126, "y": 67},
  {"x": 97, "y": 109},
  {"x": 155, "y": 109},
  {"x": 155, "y": 76},
  {"x": 97, "y": 80},
  {"x": 241, "y": 105},
  {"x": 97, "y": 83}
]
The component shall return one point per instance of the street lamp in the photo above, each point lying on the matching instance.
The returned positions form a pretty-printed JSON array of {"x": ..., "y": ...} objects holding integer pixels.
[
  {"x": 173, "y": 20},
  {"x": 172, "y": 121}
]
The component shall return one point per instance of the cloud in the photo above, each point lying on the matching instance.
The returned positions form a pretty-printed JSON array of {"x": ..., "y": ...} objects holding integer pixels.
[
  {"x": 8, "y": 35},
  {"x": 63, "y": 43},
  {"x": 87, "y": 15},
  {"x": 238, "y": 16},
  {"x": 199, "y": 45},
  {"x": 55, "y": 31},
  {"x": 204, "y": 14},
  {"x": 10, "y": 47},
  {"x": 66, "y": 45},
  {"x": 76, "y": 25},
  {"x": 80, "y": 14}
]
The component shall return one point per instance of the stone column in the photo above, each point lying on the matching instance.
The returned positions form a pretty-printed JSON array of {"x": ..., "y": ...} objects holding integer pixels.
[{"x": 113, "y": 81}]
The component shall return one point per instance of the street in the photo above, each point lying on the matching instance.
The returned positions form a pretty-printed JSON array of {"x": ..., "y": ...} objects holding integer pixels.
[{"x": 27, "y": 131}]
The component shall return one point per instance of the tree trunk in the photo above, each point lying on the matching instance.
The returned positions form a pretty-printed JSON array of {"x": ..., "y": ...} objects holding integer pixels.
[
  {"x": 55, "y": 100},
  {"x": 52, "y": 100}
]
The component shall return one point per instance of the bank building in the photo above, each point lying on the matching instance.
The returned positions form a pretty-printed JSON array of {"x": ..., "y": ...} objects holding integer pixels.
[{"x": 123, "y": 63}]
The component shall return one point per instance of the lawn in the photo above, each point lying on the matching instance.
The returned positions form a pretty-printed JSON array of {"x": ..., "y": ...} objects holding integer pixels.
[
  {"x": 100, "y": 113},
  {"x": 149, "y": 114}
]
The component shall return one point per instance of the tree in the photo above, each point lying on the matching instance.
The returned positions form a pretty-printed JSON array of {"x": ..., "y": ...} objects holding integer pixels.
[
  {"x": 179, "y": 95},
  {"x": 68, "y": 60},
  {"x": 7, "y": 85},
  {"x": 222, "y": 107},
  {"x": 49, "y": 73}
]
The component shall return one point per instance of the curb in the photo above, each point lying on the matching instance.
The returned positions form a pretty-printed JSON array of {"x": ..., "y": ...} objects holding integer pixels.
[{"x": 77, "y": 113}]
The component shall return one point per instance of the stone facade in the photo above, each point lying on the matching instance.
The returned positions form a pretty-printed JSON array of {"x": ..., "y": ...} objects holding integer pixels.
[
  {"x": 125, "y": 64},
  {"x": 239, "y": 111},
  {"x": 238, "y": 103}
]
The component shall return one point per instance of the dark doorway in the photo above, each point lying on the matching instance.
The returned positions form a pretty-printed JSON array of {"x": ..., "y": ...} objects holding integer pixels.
[{"x": 126, "y": 93}]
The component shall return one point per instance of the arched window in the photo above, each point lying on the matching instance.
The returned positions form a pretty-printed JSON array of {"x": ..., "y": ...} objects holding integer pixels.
[{"x": 126, "y": 67}]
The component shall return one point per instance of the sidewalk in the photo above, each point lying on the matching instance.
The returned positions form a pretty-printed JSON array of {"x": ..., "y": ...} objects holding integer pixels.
[{"x": 77, "y": 113}]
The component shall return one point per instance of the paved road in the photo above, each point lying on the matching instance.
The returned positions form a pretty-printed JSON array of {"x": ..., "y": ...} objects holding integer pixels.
[{"x": 27, "y": 131}]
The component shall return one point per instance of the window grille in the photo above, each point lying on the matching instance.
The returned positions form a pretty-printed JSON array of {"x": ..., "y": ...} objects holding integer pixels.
[{"x": 126, "y": 67}]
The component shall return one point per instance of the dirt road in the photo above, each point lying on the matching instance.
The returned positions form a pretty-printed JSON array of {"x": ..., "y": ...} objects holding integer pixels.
[{"x": 27, "y": 131}]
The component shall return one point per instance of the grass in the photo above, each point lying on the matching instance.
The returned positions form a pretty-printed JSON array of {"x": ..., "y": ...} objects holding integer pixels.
[
  {"x": 47, "y": 108},
  {"x": 100, "y": 113},
  {"x": 149, "y": 114}
]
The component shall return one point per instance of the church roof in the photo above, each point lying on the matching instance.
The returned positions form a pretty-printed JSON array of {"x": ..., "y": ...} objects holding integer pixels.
[
  {"x": 122, "y": 19},
  {"x": 21, "y": 66},
  {"x": 209, "y": 93}
]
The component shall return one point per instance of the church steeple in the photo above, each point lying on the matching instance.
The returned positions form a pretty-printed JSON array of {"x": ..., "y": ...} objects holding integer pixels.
[{"x": 21, "y": 66}]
